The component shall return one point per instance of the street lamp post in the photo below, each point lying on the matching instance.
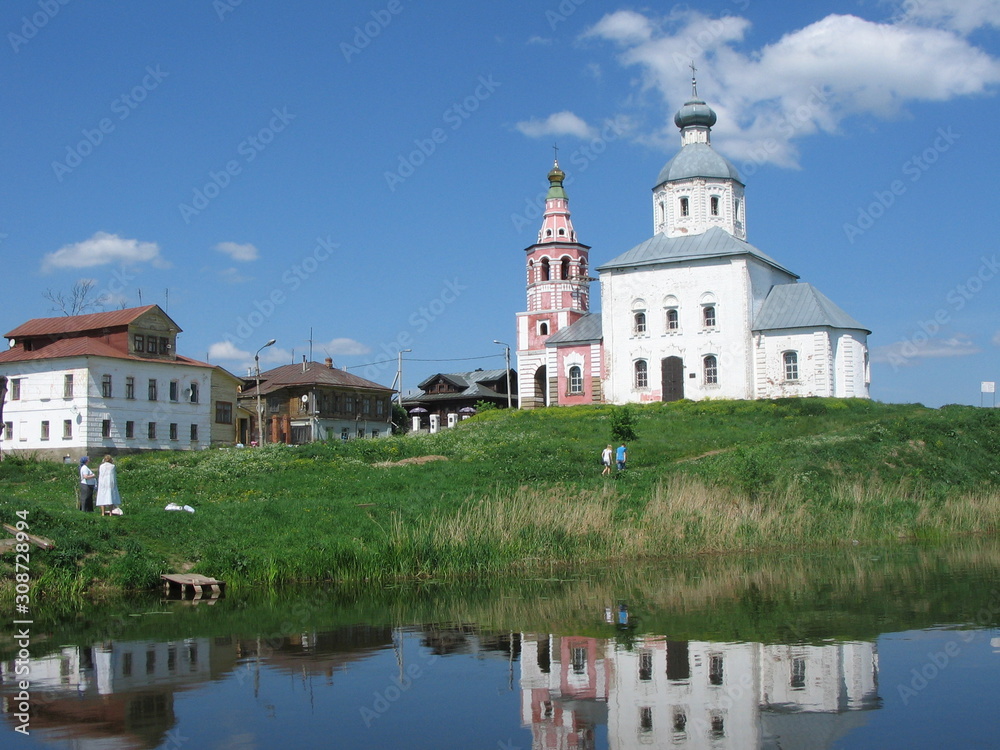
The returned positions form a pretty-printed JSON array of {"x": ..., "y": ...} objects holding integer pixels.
[
  {"x": 260, "y": 409},
  {"x": 399, "y": 374},
  {"x": 506, "y": 348}
]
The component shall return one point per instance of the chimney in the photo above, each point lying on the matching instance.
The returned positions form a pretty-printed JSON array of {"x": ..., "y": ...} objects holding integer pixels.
[
  {"x": 303, "y": 363},
  {"x": 329, "y": 362}
]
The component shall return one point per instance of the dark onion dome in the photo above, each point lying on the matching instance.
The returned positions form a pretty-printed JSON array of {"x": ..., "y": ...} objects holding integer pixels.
[
  {"x": 695, "y": 112},
  {"x": 696, "y": 159}
]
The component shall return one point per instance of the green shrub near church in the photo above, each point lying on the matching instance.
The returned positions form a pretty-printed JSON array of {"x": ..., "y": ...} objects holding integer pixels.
[{"x": 518, "y": 489}]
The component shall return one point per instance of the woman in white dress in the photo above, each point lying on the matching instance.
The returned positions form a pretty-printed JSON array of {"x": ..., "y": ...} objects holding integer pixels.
[{"x": 107, "y": 487}]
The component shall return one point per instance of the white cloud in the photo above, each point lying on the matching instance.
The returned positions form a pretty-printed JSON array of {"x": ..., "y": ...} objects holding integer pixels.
[
  {"x": 919, "y": 346},
  {"x": 238, "y": 252},
  {"x": 226, "y": 350},
  {"x": 996, "y": 339},
  {"x": 963, "y": 16},
  {"x": 559, "y": 123},
  {"x": 345, "y": 347},
  {"x": 545, "y": 41},
  {"x": 102, "y": 249},
  {"x": 807, "y": 81},
  {"x": 624, "y": 27}
]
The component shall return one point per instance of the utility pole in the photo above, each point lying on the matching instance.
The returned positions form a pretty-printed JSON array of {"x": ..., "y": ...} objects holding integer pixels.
[
  {"x": 507, "y": 360},
  {"x": 260, "y": 409}
]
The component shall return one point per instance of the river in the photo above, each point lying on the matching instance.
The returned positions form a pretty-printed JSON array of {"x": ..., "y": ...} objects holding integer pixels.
[{"x": 860, "y": 647}]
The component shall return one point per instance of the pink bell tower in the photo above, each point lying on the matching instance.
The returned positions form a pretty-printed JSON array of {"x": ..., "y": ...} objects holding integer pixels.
[{"x": 558, "y": 286}]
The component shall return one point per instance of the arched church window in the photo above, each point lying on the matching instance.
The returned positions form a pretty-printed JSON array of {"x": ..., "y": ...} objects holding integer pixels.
[
  {"x": 564, "y": 268},
  {"x": 711, "y": 368},
  {"x": 790, "y": 362},
  {"x": 714, "y": 204},
  {"x": 673, "y": 320},
  {"x": 575, "y": 380},
  {"x": 548, "y": 232},
  {"x": 639, "y": 323},
  {"x": 562, "y": 232},
  {"x": 543, "y": 329},
  {"x": 708, "y": 316},
  {"x": 545, "y": 269},
  {"x": 685, "y": 207},
  {"x": 641, "y": 374}
]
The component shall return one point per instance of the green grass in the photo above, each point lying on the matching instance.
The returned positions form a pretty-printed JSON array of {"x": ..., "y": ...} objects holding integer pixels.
[{"x": 521, "y": 489}]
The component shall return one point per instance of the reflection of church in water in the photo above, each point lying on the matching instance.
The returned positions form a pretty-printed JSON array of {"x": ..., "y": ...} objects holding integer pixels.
[{"x": 693, "y": 694}]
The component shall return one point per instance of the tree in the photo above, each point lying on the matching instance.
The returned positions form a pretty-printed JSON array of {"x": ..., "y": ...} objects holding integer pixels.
[
  {"x": 79, "y": 300},
  {"x": 623, "y": 424},
  {"x": 400, "y": 420}
]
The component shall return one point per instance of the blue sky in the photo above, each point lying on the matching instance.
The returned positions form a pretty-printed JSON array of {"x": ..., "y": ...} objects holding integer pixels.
[{"x": 372, "y": 170}]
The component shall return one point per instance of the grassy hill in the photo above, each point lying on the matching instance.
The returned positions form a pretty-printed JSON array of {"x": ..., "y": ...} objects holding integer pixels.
[{"x": 520, "y": 489}]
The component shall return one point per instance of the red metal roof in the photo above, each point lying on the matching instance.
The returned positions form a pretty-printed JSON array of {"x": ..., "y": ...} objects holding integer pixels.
[
  {"x": 81, "y": 323},
  {"x": 84, "y": 346}
]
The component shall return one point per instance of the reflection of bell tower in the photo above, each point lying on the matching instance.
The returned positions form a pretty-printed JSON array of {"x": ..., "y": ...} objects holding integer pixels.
[{"x": 558, "y": 287}]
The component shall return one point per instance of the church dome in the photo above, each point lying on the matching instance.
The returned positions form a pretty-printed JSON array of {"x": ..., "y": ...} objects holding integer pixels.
[
  {"x": 697, "y": 160},
  {"x": 695, "y": 112}
]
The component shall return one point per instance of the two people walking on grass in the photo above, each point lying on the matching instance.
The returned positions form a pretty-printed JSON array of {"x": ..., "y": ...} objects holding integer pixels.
[{"x": 620, "y": 456}]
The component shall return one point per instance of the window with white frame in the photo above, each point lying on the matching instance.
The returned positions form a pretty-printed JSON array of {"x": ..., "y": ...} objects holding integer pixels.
[
  {"x": 711, "y": 368},
  {"x": 45, "y": 429},
  {"x": 714, "y": 205},
  {"x": 8, "y": 430},
  {"x": 15, "y": 389},
  {"x": 575, "y": 379},
  {"x": 790, "y": 362},
  {"x": 685, "y": 207},
  {"x": 708, "y": 316},
  {"x": 639, "y": 323},
  {"x": 68, "y": 386},
  {"x": 641, "y": 374},
  {"x": 673, "y": 319},
  {"x": 67, "y": 429}
]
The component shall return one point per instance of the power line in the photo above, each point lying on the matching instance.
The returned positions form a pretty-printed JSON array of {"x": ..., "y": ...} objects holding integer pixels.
[{"x": 415, "y": 359}]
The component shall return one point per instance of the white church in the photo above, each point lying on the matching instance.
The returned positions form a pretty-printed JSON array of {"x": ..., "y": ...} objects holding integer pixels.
[{"x": 693, "y": 312}]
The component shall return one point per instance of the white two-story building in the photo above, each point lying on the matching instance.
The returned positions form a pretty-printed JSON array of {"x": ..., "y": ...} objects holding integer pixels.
[{"x": 108, "y": 383}]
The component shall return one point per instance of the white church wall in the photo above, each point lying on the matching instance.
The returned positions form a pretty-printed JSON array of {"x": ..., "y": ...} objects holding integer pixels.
[
  {"x": 725, "y": 280},
  {"x": 812, "y": 354}
]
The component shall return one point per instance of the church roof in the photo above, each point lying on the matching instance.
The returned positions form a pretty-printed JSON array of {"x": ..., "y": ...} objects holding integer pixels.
[
  {"x": 715, "y": 243},
  {"x": 801, "y": 306},
  {"x": 697, "y": 160},
  {"x": 586, "y": 330}
]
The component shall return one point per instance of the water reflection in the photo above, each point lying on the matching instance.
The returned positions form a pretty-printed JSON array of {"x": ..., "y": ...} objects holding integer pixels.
[
  {"x": 733, "y": 657},
  {"x": 693, "y": 694}
]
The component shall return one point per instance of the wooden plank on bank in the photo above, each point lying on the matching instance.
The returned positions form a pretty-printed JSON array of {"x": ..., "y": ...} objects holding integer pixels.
[
  {"x": 38, "y": 541},
  {"x": 193, "y": 581}
]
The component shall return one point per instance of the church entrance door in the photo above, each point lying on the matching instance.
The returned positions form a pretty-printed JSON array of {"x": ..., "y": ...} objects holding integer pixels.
[
  {"x": 672, "y": 378},
  {"x": 541, "y": 387}
]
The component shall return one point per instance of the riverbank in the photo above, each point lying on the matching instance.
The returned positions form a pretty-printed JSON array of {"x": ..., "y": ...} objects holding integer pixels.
[{"x": 520, "y": 489}]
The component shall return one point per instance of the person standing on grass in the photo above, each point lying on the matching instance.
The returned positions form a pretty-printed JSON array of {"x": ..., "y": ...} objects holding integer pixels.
[
  {"x": 606, "y": 460},
  {"x": 108, "y": 498},
  {"x": 622, "y": 456},
  {"x": 88, "y": 483}
]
